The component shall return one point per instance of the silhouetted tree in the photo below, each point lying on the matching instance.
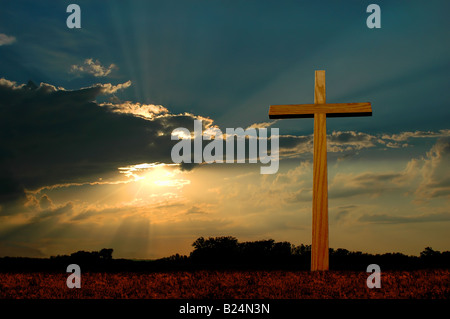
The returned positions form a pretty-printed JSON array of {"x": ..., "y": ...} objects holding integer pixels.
[
  {"x": 84, "y": 256},
  {"x": 341, "y": 252},
  {"x": 216, "y": 250},
  {"x": 281, "y": 250},
  {"x": 256, "y": 251},
  {"x": 226, "y": 251},
  {"x": 301, "y": 250},
  {"x": 106, "y": 253},
  {"x": 435, "y": 258},
  {"x": 428, "y": 252}
]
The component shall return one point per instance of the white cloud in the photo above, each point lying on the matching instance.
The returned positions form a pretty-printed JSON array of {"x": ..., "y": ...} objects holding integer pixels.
[
  {"x": 350, "y": 140},
  {"x": 109, "y": 88},
  {"x": 292, "y": 146},
  {"x": 6, "y": 39},
  {"x": 425, "y": 177},
  {"x": 10, "y": 84},
  {"x": 148, "y": 111},
  {"x": 404, "y": 136},
  {"x": 434, "y": 171},
  {"x": 262, "y": 124},
  {"x": 92, "y": 67}
]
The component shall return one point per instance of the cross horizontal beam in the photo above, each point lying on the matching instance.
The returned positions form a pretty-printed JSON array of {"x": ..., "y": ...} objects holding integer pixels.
[{"x": 330, "y": 109}]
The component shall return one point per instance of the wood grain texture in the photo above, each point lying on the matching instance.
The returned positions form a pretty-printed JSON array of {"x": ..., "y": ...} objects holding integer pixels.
[
  {"x": 319, "y": 245},
  {"x": 320, "y": 110},
  {"x": 319, "y": 87},
  {"x": 330, "y": 109}
]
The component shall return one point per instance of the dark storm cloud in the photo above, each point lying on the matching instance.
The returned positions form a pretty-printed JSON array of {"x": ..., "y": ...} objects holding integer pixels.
[
  {"x": 296, "y": 143},
  {"x": 49, "y": 135},
  {"x": 10, "y": 188},
  {"x": 352, "y": 137}
]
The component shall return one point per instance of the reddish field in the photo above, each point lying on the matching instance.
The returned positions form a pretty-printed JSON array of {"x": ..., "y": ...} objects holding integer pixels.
[{"x": 229, "y": 284}]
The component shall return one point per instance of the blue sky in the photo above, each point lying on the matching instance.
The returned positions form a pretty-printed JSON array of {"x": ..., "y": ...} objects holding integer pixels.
[
  {"x": 227, "y": 61},
  {"x": 218, "y": 58}
]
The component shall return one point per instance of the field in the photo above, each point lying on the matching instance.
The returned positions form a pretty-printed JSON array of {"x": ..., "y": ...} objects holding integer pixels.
[{"x": 421, "y": 284}]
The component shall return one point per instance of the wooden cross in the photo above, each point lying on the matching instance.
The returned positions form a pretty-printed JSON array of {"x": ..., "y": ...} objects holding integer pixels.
[{"x": 320, "y": 110}]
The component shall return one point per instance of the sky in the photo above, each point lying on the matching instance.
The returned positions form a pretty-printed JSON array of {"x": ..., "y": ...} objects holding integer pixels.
[{"x": 86, "y": 117}]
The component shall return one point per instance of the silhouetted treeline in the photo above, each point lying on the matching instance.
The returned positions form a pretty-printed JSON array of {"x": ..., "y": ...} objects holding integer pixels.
[
  {"x": 93, "y": 260},
  {"x": 223, "y": 252},
  {"x": 228, "y": 253}
]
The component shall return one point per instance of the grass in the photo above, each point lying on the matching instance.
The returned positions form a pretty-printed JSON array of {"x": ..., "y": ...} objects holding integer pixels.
[{"x": 419, "y": 284}]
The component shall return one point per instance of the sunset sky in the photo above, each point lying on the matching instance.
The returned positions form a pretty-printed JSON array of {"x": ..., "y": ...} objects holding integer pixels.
[{"x": 85, "y": 147}]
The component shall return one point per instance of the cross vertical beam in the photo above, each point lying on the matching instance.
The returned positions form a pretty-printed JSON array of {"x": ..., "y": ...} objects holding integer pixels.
[
  {"x": 320, "y": 110},
  {"x": 319, "y": 246}
]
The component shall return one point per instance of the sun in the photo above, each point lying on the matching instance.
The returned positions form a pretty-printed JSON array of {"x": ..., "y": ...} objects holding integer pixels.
[
  {"x": 156, "y": 174},
  {"x": 160, "y": 176}
]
